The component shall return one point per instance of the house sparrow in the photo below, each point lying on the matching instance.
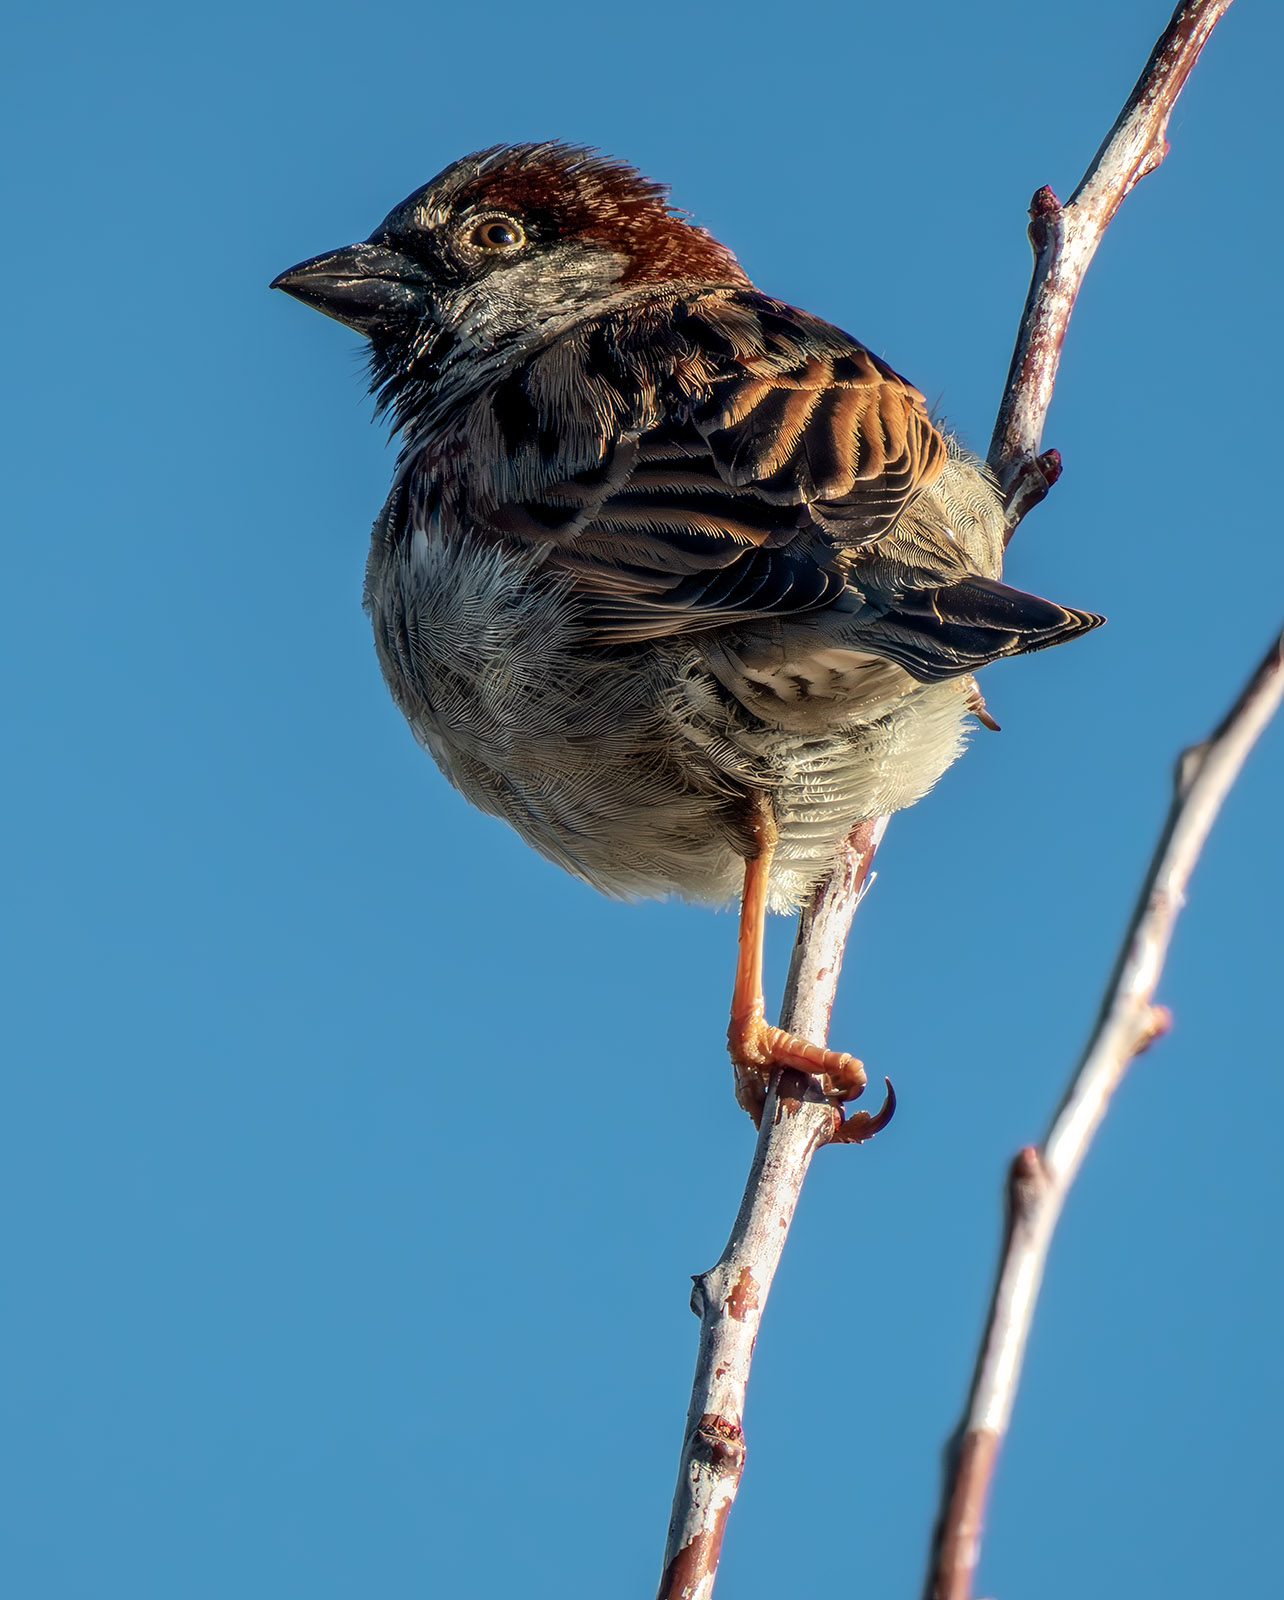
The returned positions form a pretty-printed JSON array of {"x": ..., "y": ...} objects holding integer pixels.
[{"x": 680, "y": 581}]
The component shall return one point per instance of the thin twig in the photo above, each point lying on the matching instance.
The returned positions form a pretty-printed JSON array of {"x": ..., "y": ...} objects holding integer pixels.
[
  {"x": 1040, "y": 1179},
  {"x": 1065, "y": 238},
  {"x": 730, "y": 1297}
]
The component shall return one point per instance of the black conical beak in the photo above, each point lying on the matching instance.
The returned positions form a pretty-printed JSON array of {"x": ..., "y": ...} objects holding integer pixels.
[{"x": 366, "y": 286}]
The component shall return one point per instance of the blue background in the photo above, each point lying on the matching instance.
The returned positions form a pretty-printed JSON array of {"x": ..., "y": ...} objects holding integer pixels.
[{"x": 354, "y": 1160}]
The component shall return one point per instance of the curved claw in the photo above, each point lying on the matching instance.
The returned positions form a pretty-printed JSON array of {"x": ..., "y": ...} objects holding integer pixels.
[{"x": 862, "y": 1125}]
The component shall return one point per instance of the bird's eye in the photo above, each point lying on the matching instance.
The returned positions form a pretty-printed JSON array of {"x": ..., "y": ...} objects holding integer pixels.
[{"x": 497, "y": 233}]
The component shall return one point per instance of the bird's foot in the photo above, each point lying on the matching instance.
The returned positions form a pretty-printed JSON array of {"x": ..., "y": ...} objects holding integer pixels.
[{"x": 758, "y": 1050}]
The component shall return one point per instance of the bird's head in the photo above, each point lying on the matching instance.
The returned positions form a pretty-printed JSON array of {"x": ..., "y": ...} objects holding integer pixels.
[{"x": 492, "y": 251}]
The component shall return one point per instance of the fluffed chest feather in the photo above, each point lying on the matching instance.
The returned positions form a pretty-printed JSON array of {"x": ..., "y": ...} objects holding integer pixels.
[
  {"x": 630, "y": 768},
  {"x": 579, "y": 750}
]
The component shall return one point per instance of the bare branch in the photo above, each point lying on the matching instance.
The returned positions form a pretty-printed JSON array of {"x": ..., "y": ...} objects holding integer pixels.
[
  {"x": 730, "y": 1297},
  {"x": 1065, "y": 238},
  {"x": 1040, "y": 1179},
  {"x": 797, "y": 1120}
]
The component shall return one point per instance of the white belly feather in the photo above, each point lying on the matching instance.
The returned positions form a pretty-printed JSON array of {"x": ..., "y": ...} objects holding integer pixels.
[{"x": 628, "y": 771}]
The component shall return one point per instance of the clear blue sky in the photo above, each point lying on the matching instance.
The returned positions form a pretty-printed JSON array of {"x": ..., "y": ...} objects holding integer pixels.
[{"x": 354, "y": 1160}]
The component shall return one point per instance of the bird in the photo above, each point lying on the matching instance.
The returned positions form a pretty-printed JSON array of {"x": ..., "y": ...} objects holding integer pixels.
[{"x": 681, "y": 581}]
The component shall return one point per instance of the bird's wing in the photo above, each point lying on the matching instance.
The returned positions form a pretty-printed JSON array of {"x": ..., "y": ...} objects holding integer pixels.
[
  {"x": 744, "y": 461},
  {"x": 667, "y": 546},
  {"x": 731, "y": 452}
]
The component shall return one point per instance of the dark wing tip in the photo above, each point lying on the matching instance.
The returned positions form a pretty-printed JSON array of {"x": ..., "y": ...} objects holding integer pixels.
[
  {"x": 1087, "y": 620},
  {"x": 1071, "y": 624},
  {"x": 944, "y": 632}
]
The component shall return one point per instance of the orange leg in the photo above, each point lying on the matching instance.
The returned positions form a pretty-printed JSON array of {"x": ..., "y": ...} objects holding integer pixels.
[{"x": 756, "y": 1047}]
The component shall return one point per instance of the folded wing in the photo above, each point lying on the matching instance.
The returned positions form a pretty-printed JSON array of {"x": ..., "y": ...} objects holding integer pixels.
[{"x": 755, "y": 462}]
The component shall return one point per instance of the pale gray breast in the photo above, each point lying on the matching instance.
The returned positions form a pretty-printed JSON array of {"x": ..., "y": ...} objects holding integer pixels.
[
  {"x": 579, "y": 752},
  {"x": 628, "y": 766}
]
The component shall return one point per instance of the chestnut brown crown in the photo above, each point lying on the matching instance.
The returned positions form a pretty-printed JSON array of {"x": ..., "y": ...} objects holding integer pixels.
[{"x": 563, "y": 193}]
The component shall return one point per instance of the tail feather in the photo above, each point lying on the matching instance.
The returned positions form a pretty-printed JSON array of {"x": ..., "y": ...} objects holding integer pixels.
[{"x": 941, "y": 633}]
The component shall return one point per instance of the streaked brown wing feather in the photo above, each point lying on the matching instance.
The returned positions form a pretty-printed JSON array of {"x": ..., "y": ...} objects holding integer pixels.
[
  {"x": 811, "y": 416},
  {"x": 677, "y": 549},
  {"x": 769, "y": 447}
]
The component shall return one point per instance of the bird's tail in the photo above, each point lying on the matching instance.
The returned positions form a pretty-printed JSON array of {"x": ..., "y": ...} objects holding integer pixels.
[{"x": 941, "y": 633}]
